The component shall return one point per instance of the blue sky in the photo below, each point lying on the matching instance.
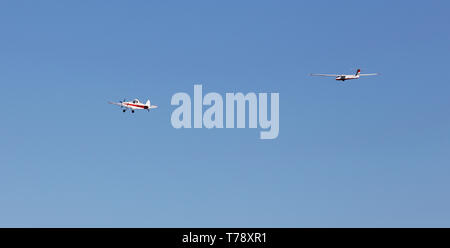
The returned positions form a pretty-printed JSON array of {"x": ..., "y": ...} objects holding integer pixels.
[{"x": 372, "y": 152}]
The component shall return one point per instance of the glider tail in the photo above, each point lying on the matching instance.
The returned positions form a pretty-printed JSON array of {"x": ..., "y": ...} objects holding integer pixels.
[{"x": 358, "y": 72}]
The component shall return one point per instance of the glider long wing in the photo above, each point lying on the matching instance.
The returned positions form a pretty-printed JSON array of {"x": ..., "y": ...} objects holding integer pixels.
[
  {"x": 370, "y": 74},
  {"x": 325, "y": 75}
]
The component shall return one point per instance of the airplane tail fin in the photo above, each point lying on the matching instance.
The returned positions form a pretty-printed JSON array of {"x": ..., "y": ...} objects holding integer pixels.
[
  {"x": 150, "y": 106},
  {"x": 358, "y": 72}
]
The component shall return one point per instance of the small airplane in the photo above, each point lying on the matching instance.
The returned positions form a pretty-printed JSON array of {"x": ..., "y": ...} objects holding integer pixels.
[
  {"x": 135, "y": 104},
  {"x": 344, "y": 77}
]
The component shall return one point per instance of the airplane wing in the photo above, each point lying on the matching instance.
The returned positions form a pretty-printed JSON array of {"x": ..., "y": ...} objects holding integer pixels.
[
  {"x": 370, "y": 74},
  {"x": 115, "y": 103},
  {"x": 325, "y": 75}
]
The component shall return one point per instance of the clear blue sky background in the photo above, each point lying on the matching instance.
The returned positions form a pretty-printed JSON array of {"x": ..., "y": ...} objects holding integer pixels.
[{"x": 374, "y": 152}]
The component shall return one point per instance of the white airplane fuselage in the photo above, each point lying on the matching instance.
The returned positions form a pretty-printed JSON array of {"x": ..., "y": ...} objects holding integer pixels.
[
  {"x": 346, "y": 77},
  {"x": 135, "y": 105}
]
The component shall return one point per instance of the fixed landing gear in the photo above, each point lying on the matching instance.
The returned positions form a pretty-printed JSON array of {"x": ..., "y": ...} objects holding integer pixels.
[
  {"x": 123, "y": 110},
  {"x": 132, "y": 111}
]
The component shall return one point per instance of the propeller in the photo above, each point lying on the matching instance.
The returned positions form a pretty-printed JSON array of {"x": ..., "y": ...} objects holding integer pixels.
[{"x": 124, "y": 100}]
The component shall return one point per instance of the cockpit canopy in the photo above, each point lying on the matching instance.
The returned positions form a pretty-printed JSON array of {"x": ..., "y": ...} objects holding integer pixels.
[{"x": 135, "y": 101}]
